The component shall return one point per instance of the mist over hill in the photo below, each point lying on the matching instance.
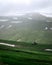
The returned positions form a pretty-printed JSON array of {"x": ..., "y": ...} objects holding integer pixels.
[{"x": 29, "y": 27}]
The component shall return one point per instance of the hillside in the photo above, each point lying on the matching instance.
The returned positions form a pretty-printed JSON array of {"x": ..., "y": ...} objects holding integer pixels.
[
  {"x": 28, "y": 28},
  {"x": 25, "y": 53}
]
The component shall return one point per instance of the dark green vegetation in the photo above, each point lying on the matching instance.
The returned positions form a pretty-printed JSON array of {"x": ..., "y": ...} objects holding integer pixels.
[{"x": 25, "y": 54}]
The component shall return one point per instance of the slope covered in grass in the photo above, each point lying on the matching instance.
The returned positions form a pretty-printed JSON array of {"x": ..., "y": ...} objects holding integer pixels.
[{"x": 24, "y": 54}]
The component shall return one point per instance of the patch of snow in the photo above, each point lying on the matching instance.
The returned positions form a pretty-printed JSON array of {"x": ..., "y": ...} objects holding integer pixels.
[
  {"x": 29, "y": 18},
  {"x": 16, "y": 21},
  {"x": 15, "y": 18},
  {"x": 7, "y": 44},
  {"x": 9, "y": 26},
  {"x": 48, "y": 49},
  {"x": 46, "y": 28},
  {"x": 46, "y": 14},
  {"x": 3, "y": 20}
]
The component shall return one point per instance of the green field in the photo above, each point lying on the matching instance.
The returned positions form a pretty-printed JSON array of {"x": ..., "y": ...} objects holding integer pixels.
[
  {"x": 23, "y": 32},
  {"x": 25, "y": 54}
]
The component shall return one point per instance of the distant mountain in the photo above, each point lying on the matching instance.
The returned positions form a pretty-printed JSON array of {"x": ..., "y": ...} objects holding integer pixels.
[{"x": 28, "y": 28}]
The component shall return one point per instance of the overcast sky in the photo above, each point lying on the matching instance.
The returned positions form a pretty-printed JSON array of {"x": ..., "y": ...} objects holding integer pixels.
[{"x": 14, "y": 7}]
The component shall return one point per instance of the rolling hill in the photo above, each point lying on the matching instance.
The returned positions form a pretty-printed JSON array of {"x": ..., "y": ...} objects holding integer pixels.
[{"x": 27, "y": 28}]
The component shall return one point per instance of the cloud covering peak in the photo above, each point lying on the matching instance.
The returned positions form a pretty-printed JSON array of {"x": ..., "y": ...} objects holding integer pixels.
[{"x": 14, "y": 7}]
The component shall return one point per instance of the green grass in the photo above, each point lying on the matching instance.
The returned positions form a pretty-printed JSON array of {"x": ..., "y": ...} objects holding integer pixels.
[
  {"x": 26, "y": 54},
  {"x": 15, "y": 58},
  {"x": 28, "y": 46}
]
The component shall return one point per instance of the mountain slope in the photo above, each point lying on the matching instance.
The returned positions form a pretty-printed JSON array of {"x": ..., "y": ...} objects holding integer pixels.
[{"x": 29, "y": 28}]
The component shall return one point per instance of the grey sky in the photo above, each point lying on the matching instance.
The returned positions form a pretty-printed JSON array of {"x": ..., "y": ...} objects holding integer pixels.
[{"x": 13, "y": 7}]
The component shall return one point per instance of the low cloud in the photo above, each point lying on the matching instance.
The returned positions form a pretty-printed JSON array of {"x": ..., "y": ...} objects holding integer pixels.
[{"x": 8, "y": 7}]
